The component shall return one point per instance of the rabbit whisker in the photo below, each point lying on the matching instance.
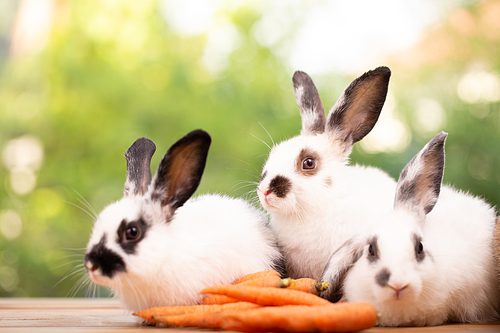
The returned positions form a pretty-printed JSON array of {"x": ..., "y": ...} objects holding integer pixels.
[
  {"x": 66, "y": 263},
  {"x": 256, "y": 176},
  {"x": 74, "y": 271},
  {"x": 89, "y": 213},
  {"x": 250, "y": 165},
  {"x": 81, "y": 282},
  {"x": 241, "y": 185},
  {"x": 87, "y": 204},
  {"x": 269, "y": 147},
  {"x": 268, "y": 134}
]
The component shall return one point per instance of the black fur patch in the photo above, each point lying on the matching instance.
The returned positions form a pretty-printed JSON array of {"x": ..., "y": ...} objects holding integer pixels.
[
  {"x": 309, "y": 103},
  {"x": 308, "y": 153},
  {"x": 383, "y": 277},
  {"x": 129, "y": 246},
  {"x": 280, "y": 186},
  {"x": 104, "y": 259},
  {"x": 373, "y": 253},
  {"x": 422, "y": 191},
  {"x": 334, "y": 292},
  {"x": 279, "y": 264},
  {"x": 138, "y": 158}
]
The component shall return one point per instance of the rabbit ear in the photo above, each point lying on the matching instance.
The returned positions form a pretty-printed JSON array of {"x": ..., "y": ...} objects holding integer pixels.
[
  {"x": 341, "y": 261},
  {"x": 180, "y": 170},
  {"x": 138, "y": 158},
  {"x": 358, "y": 108},
  {"x": 309, "y": 102},
  {"x": 420, "y": 181}
]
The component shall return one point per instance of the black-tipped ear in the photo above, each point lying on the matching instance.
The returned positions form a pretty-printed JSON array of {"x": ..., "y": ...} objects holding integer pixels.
[
  {"x": 309, "y": 102},
  {"x": 180, "y": 170},
  {"x": 341, "y": 261},
  {"x": 358, "y": 108},
  {"x": 420, "y": 181},
  {"x": 138, "y": 158}
]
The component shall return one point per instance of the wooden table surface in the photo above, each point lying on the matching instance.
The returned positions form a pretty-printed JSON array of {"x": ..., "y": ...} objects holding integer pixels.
[{"x": 106, "y": 315}]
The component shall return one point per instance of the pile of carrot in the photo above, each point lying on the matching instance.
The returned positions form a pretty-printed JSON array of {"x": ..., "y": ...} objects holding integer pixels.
[{"x": 264, "y": 302}]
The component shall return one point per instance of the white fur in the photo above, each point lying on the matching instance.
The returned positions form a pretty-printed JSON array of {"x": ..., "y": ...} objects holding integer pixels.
[
  {"x": 451, "y": 278},
  {"x": 210, "y": 240},
  {"x": 323, "y": 210},
  {"x": 455, "y": 282}
]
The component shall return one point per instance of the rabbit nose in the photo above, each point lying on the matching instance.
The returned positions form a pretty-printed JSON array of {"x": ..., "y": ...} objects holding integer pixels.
[
  {"x": 398, "y": 288},
  {"x": 90, "y": 266}
]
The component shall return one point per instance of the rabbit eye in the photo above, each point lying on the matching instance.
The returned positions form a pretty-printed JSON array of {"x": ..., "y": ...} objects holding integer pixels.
[
  {"x": 132, "y": 233},
  {"x": 371, "y": 250},
  {"x": 373, "y": 253},
  {"x": 308, "y": 164},
  {"x": 420, "y": 248}
]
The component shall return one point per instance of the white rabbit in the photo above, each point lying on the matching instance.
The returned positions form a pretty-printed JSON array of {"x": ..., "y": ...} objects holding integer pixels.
[
  {"x": 155, "y": 247},
  {"x": 315, "y": 199},
  {"x": 426, "y": 262}
]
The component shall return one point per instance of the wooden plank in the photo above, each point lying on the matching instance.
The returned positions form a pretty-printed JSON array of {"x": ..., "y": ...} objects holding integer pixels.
[
  {"x": 106, "y": 315},
  {"x": 43, "y": 312},
  {"x": 44, "y": 303}
]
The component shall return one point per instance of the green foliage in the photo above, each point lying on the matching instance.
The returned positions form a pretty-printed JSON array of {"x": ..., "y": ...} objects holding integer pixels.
[{"x": 114, "y": 71}]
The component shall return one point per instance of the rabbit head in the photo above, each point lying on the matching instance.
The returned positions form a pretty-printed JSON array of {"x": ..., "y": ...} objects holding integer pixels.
[
  {"x": 300, "y": 170},
  {"x": 127, "y": 233},
  {"x": 393, "y": 266}
]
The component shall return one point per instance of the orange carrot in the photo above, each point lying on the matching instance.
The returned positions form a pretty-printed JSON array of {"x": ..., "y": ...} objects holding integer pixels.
[
  {"x": 256, "y": 275},
  {"x": 212, "y": 320},
  {"x": 308, "y": 285},
  {"x": 266, "y": 281},
  {"x": 272, "y": 281},
  {"x": 218, "y": 299},
  {"x": 148, "y": 314},
  {"x": 266, "y": 296},
  {"x": 345, "y": 317}
]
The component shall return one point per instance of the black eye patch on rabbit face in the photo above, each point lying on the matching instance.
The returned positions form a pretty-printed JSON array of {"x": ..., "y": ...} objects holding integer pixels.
[
  {"x": 308, "y": 162},
  {"x": 130, "y": 234}
]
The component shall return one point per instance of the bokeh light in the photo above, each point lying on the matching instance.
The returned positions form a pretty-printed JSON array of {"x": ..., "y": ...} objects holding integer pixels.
[
  {"x": 23, "y": 157},
  {"x": 11, "y": 224},
  {"x": 479, "y": 87},
  {"x": 390, "y": 134}
]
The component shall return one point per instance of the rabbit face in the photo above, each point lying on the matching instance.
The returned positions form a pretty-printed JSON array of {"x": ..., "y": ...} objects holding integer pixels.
[
  {"x": 295, "y": 167},
  {"x": 118, "y": 236},
  {"x": 396, "y": 272},
  {"x": 392, "y": 263}
]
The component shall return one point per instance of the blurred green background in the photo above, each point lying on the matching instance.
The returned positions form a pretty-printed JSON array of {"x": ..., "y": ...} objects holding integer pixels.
[{"x": 81, "y": 80}]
